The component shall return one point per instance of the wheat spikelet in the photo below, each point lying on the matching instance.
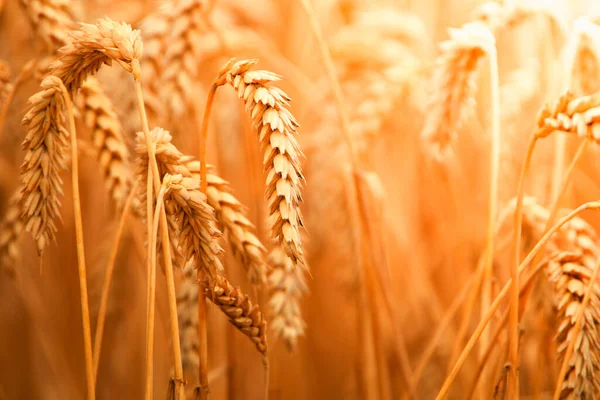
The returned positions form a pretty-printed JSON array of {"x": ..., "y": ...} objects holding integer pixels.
[
  {"x": 10, "y": 231},
  {"x": 51, "y": 20},
  {"x": 182, "y": 55},
  {"x": 45, "y": 143},
  {"x": 571, "y": 115},
  {"x": 187, "y": 315},
  {"x": 239, "y": 231},
  {"x": 454, "y": 84},
  {"x": 5, "y": 83},
  {"x": 245, "y": 316},
  {"x": 277, "y": 128},
  {"x": 94, "y": 45},
  {"x": 197, "y": 234},
  {"x": 570, "y": 274},
  {"x": 286, "y": 286},
  {"x": 107, "y": 138},
  {"x": 586, "y": 62}
]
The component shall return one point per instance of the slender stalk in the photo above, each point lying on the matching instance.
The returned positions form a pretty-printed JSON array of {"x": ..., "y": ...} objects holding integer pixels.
[
  {"x": 106, "y": 285},
  {"x": 85, "y": 308},
  {"x": 439, "y": 332},
  {"x": 172, "y": 299},
  {"x": 486, "y": 287},
  {"x": 149, "y": 286},
  {"x": 202, "y": 333},
  {"x": 513, "y": 328},
  {"x": 23, "y": 75},
  {"x": 202, "y": 341},
  {"x": 576, "y": 329},
  {"x": 152, "y": 299},
  {"x": 594, "y": 205}
]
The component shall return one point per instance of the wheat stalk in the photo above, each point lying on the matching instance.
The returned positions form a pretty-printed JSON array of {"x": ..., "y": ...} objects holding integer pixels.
[
  {"x": 286, "y": 286},
  {"x": 454, "y": 84},
  {"x": 277, "y": 128},
  {"x": 107, "y": 137}
]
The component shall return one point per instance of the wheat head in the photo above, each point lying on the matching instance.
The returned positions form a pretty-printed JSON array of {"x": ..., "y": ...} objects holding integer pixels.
[
  {"x": 10, "y": 231},
  {"x": 277, "y": 130}
]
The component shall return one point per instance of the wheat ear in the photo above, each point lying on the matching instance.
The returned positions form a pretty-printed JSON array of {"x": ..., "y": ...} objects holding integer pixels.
[
  {"x": 286, "y": 286},
  {"x": 51, "y": 21},
  {"x": 186, "y": 204},
  {"x": 230, "y": 213},
  {"x": 245, "y": 316},
  {"x": 10, "y": 231},
  {"x": 585, "y": 66},
  {"x": 187, "y": 304},
  {"x": 454, "y": 84},
  {"x": 277, "y": 129},
  {"x": 572, "y": 275},
  {"x": 107, "y": 137}
]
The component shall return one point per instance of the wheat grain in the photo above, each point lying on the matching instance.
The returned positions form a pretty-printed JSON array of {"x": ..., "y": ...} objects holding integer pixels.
[
  {"x": 245, "y": 316},
  {"x": 107, "y": 138},
  {"x": 454, "y": 84},
  {"x": 572, "y": 115},
  {"x": 286, "y": 286},
  {"x": 277, "y": 128},
  {"x": 45, "y": 143}
]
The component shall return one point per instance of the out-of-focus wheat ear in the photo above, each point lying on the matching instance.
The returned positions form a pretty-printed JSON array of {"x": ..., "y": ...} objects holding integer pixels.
[
  {"x": 454, "y": 84},
  {"x": 238, "y": 229},
  {"x": 5, "y": 83},
  {"x": 10, "y": 232},
  {"x": 187, "y": 311},
  {"x": 246, "y": 317},
  {"x": 570, "y": 273},
  {"x": 51, "y": 21},
  {"x": 45, "y": 144},
  {"x": 107, "y": 138},
  {"x": 585, "y": 70},
  {"x": 277, "y": 130},
  {"x": 286, "y": 287},
  {"x": 93, "y": 45},
  {"x": 182, "y": 55}
]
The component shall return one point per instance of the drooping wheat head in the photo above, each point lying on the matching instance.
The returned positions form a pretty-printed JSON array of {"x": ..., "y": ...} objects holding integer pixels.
[
  {"x": 51, "y": 21},
  {"x": 107, "y": 137},
  {"x": 586, "y": 61},
  {"x": 277, "y": 130},
  {"x": 454, "y": 84},
  {"x": 45, "y": 144},
  {"x": 286, "y": 287}
]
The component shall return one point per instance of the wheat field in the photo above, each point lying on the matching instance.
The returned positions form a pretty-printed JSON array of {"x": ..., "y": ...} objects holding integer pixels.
[{"x": 299, "y": 199}]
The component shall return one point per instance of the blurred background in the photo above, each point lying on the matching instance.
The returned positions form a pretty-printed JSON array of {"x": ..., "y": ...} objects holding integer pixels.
[{"x": 383, "y": 274}]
